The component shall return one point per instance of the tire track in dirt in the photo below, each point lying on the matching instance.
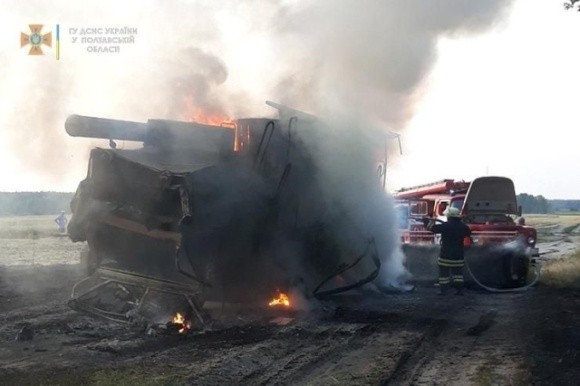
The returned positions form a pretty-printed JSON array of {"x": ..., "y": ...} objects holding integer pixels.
[
  {"x": 368, "y": 362},
  {"x": 327, "y": 346},
  {"x": 417, "y": 338},
  {"x": 274, "y": 359},
  {"x": 414, "y": 358},
  {"x": 458, "y": 353},
  {"x": 370, "y": 353},
  {"x": 307, "y": 353}
]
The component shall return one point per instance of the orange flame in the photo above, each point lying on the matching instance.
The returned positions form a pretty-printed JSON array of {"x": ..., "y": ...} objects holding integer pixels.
[
  {"x": 200, "y": 115},
  {"x": 179, "y": 320},
  {"x": 281, "y": 300}
]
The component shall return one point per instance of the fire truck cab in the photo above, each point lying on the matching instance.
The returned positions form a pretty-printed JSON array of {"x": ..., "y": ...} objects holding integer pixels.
[{"x": 487, "y": 204}]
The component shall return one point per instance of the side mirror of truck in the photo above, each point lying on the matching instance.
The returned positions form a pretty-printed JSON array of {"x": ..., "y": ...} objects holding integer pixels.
[{"x": 519, "y": 211}]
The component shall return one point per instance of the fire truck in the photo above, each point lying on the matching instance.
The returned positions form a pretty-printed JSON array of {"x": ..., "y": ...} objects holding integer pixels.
[{"x": 500, "y": 249}]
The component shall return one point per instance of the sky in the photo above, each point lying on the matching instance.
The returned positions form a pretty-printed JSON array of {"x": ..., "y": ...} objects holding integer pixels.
[
  {"x": 499, "y": 100},
  {"x": 502, "y": 103}
]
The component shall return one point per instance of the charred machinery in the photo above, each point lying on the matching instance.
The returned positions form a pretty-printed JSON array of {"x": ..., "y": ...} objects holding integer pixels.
[
  {"x": 500, "y": 251},
  {"x": 231, "y": 212}
]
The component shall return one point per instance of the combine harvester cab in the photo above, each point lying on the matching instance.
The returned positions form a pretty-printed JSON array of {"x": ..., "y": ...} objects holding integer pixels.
[
  {"x": 202, "y": 212},
  {"x": 499, "y": 253}
]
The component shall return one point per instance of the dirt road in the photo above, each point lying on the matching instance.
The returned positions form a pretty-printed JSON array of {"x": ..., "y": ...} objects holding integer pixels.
[{"x": 416, "y": 338}]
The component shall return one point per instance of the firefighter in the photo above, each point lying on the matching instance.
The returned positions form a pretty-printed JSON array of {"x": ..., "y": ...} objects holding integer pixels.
[
  {"x": 453, "y": 232},
  {"x": 61, "y": 221}
]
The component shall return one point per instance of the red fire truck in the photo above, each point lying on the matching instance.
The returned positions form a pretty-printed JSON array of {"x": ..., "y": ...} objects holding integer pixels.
[{"x": 488, "y": 206}]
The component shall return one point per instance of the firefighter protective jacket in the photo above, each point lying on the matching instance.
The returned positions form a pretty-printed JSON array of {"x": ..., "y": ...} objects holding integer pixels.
[{"x": 452, "y": 233}]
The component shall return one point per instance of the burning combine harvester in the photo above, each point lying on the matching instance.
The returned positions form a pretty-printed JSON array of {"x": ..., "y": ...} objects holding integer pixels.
[{"x": 228, "y": 213}]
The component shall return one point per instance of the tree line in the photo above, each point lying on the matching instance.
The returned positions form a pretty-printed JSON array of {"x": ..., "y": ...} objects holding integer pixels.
[
  {"x": 539, "y": 204},
  {"x": 34, "y": 203},
  {"x": 533, "y": 204},
  {"x": 43, "y": 203}
]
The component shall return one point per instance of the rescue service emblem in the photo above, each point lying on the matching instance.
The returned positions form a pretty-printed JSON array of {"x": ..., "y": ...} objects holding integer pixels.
[{"x": 36, "y": 39}]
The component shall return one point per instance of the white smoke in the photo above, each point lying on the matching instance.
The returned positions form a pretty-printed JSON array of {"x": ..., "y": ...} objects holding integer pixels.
[
  {"x": 369, "y": 56},
  {"x": 359, "y": 64},
  {"x": 321, "y": 56}
]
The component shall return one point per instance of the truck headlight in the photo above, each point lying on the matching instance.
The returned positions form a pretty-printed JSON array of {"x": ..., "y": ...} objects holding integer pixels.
[{"x": 531, "y": 240}]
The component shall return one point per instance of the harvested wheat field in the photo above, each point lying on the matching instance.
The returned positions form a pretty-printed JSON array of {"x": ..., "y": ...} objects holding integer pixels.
[{"x": 357, "y": 338}]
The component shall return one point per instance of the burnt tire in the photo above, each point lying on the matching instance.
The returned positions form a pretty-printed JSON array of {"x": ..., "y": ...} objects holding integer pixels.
[{"x": 515, "y": 269}]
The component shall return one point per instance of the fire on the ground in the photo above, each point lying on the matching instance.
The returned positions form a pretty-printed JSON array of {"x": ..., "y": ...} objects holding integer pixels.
[
  {"x": 280, "y": 300},
  {"x": 180, "y": 322}
]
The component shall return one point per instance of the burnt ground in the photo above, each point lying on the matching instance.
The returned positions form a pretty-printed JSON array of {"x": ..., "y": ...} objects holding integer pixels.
[{"x": 416, "y": 338}]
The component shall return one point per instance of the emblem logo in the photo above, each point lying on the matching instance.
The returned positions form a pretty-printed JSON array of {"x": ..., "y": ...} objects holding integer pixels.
[{"x": 36, "y": 39}]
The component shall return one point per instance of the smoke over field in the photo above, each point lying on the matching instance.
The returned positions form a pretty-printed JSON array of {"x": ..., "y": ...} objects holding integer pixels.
[
  {"x": 221, "y": 58},
  {"x": 357, "y": 64}
]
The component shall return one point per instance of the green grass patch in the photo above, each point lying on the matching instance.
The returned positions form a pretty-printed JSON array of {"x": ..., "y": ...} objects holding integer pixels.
[
  {"x": 569, "y": 229},
  {"x": 484, "y": 376},
  {"x": 137, "y": 376},
  {"x": 488, "y": 374},
  {"x": 562, "y": 273}
]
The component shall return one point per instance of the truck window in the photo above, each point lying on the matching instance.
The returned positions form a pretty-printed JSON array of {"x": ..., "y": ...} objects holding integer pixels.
[
  {"x": 441, "y": 208},
  {"x": 457, "y": 204},
  {"x": 418, "y": 208}
]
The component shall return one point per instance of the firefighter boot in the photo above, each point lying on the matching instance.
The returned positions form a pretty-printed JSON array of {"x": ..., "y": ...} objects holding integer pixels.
[{"x": 459, "y": 291}]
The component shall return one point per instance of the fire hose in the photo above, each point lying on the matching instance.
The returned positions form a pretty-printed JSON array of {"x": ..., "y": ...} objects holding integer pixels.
[{"x": 535, "y": 264}]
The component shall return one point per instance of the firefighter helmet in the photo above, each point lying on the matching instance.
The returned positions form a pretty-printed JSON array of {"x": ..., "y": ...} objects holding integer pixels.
[{"x": 452, "y": 212}]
